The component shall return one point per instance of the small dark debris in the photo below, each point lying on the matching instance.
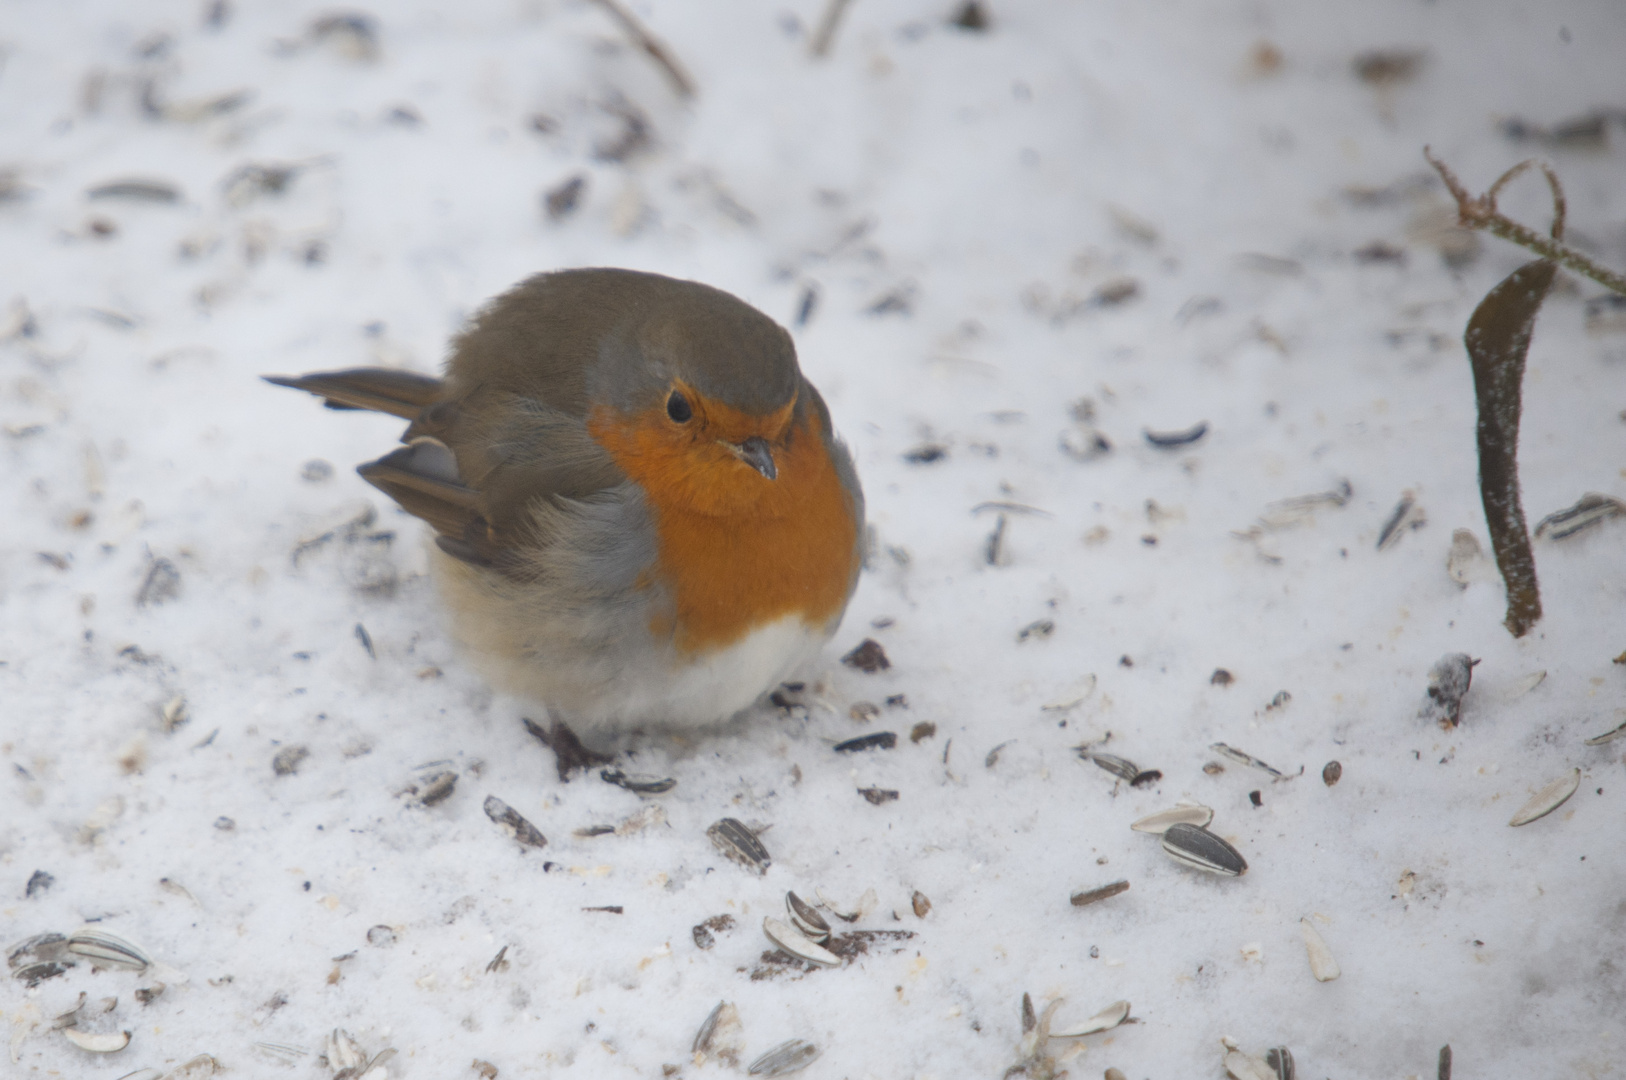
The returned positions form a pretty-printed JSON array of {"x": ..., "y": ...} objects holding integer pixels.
[
  {"x": 1213, "y": 768},
  {"x": 970, "y": 15},
  {"x": 1387, "y": 67},
  {"x": 1589, "y": 132},
  {"x": 146, "y": 995},
  {"x": 153, "y": 191},
  {"x": 1038, "y": 630},
  {"x": 877, "y": 796},
  {"x": 1149, "y": 540},
  {"x": 562, "y": 201},
  {"x": 568, "y": 750},
  {"x": 366, "y": 640},
  {"x": 1221, "y": 677},
  {"x": 543, "y": 124},
  {"x": 864, "y": 711},
  {"x": 993, "y": 549},
  {"x": 1444, "y": 1070},
  {"x": 808, "y": 305},
  {"x": 287, "y": 762},
  {"x": 1105, "y": 892},
  {"x": 315, "y": 471},
  {"x": 641, "y": 785},
  {"x": 1257, "y": 798},
  {"x": 636, "y": 134},
  {"x": 434, "y": 789},
  {"x": 498, "y": 964},
  {"x": 590, "y": 831},
  {"x": 1331, "y": 773},
  {"x": 1117, "y": 291},
  {"x": 1142, "y": 779},
  {"x": 53, "y": 560},
  {"x": 380, "y": 936},
  {"x": 225, "y": 824},
  {"x": 921, "y": 903},
  {"x": 1125, "y": 661},
  {"x": 869, "y": 657},
  {"x": 38, "y": 882},
  {"x": 404, "y": 116},
  {"x": 1165, "y": 440},
  {"x": 897, "y": 701},
  {"x": 610, "y": 909},
  {"x": 1405, "y": 516},
  {"x": 162, "y": 583},
  {"x": 704, "y": 933},
  {"x": 513, "y": 823},
  {"x": 1380, "y": 252},
  {"x": 926, "y": 454},
  {"x": 880, "y": 740},
  {"x": 1279, "y": 701},
  {"x": 922, "y": 730},
  {"x": 899, "y": 301}
]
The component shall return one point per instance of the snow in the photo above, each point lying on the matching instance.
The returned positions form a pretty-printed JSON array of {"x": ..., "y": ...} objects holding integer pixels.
[{"x": 981, "y": 179}]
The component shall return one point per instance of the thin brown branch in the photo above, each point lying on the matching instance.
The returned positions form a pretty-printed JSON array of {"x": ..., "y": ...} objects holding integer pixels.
[
  {"x": 1480, "y": 212},
  {"x": 826, "y": 33},
  {"x": 649, "y": 43}
]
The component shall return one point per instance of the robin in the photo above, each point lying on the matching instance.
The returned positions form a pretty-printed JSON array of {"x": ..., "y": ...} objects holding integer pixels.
[{"x": 642, "y": 513}]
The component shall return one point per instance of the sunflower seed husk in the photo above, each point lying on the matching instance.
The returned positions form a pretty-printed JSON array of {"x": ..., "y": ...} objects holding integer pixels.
[
  {"x": 1548, "y": 799},
  {"x": 342, "y": 1051},
  {"x": 740, "y": 844},
  {"x": 1448, "y": 682},
  {"x": 1243, "y": 758},
  {"x": 198, "y": 1068},
  {"x": 107, "y": 950},
  {"x": 41, "y": 948},
  {"x": 106, "y": 1043},
  {"x": 1242, "y": 1066},
  {"x": 1465, "y": 558},
  {"x": 1159, "y": 822},
  {"x": 708, "y": 1028},
  {"x": 798, "y": 944},
  {"x": 1322, "y": 964},
  {"x": 1105, "y": 892},
  {"x": 31, "y": 975},
  {"x": 1122, "y": 768},
  {"x": 1202, "y": 850},
  {"x": 1525, "y": 685},
  {"x": 144, "y": 1074},
  {"x": 865, "y": 905},
  {"x": 513, "y": 823},
  {"x": 1280, "y": 1059},
  {"x": 637, "y": 783},
  {"x": 1331, "y": 773},
  {"x": 1105, "y": 1020},
  {"x": 807, "y": 919},
  {"x": 786, "y": 1058},
  {"x": 1593, "y": 509},
  {"x": 1609, "y": 736}
]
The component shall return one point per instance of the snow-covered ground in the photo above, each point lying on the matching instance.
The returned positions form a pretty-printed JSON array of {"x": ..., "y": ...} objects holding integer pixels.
[{"x": 959, "y": 215}]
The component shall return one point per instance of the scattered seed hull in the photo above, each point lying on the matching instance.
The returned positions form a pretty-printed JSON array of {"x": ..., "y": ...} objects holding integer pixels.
[
  {"x": 1105, "y": 892},
  {"x": 784, "y": 1059},
  {"x": 798, "y": 944},
  {"x": 1280, "y": 1060},
  {"x": 107, "y": 950},
  {"x": 1122, "y": 768},
  {"x": 1609, "y": 736},
  {"x": 1548, "y": 799},
  {"x": 1202, "y": 850},
  {"x": 1322, "y": 964},
  {"x": 513, "y": 823},
  {"x": 1105, "y": 1020},
  {"x": 641, "y": 785},
  {"x": 740, "y": 844},
  {"x": 1241, "y": 757},
  {"x": 1593, "y": 509},
  {"x": 1159, "y": 822},
  {"x": 806, "y": 918}
]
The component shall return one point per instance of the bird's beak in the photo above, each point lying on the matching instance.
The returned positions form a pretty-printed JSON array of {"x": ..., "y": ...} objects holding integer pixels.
[{"x": 756, "y": 453}]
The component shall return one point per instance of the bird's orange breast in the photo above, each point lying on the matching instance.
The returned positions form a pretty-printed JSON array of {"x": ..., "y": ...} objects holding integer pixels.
[{"x": 735, "y": 549}]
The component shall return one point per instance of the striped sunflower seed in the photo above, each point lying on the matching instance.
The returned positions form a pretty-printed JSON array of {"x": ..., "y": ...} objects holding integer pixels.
[
  {"x": 807, "y": 919},
  {"x": 107, "y": 950},
  {"x": 1548, "y": 799},
  {"x": 1122, "y": 768},
  {"x": 638, "y": 784},
  {"x": 740, "y": 844},
  {"x": 1280, "y": 1059},
  {"x": 786, "y": 1058},
  {"x": 1202, "y": 850}
]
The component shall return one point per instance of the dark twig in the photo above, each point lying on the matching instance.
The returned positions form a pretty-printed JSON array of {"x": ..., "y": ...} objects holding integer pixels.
[
  {"x": 1480, "y": 212},
  {"x": 649, "y": 43},
  {"x": 1445, "y": 1062},
  {"x": 826, "y": 33}
]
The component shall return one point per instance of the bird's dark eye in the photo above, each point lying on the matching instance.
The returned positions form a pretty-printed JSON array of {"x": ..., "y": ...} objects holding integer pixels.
[{"x": 678, "y": 408}]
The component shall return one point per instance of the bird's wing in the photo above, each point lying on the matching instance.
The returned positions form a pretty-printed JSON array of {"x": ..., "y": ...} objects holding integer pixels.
[{"x": 483, "y": 469}]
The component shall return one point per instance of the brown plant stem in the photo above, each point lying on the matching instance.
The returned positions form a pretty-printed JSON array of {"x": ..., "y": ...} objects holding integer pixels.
[
  {"x": 1480, "y": 212},
  {"x": 650, "y": 44}
]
